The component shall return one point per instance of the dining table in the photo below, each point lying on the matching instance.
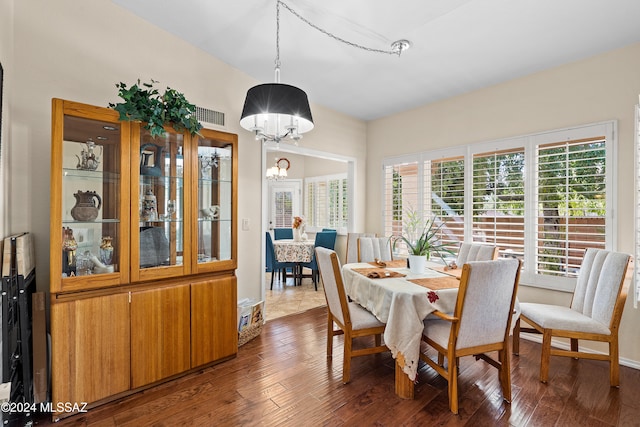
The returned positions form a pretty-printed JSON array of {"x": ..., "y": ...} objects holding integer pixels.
[
  {"x": 402, "y": 300},
  {"x": 295, "y": 251}
]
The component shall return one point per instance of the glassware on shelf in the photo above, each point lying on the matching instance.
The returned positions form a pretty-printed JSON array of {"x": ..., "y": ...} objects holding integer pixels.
[{"x": 171, "y": 209}]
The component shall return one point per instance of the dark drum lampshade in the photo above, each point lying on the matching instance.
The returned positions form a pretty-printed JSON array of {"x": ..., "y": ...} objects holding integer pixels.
[{"x": 276, "y": 110}]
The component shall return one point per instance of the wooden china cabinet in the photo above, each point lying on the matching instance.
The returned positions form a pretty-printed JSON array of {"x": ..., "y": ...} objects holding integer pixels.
[{"x": 143, "y": 253}]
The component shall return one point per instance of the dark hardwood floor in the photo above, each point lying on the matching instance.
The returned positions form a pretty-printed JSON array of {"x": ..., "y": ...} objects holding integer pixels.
[{"x": 283, "y": 378}]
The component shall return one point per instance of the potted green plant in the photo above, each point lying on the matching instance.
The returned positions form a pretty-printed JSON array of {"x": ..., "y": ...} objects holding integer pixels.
[
  {"x": 421, "y": 239},
  {"x": 143, "y": 102}
]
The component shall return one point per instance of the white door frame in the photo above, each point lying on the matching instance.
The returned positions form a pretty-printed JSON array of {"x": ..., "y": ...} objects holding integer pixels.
[{"x": 288, "y": 148}]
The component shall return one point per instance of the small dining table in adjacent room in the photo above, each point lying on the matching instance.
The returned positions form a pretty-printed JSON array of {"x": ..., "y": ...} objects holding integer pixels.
[
  {"x": 299, "y": 252},
  {"x": 402, "y": 300}
]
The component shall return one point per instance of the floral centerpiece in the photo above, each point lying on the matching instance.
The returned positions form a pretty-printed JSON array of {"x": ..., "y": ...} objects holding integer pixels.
[{"x": 298, "y": 228}]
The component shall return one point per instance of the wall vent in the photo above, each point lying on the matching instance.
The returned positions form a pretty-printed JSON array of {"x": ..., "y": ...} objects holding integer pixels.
[{"x": 205, "y": 115}]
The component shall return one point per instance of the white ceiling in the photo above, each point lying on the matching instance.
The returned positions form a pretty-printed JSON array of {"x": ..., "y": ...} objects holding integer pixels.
[{"x": 458, "y": 45}]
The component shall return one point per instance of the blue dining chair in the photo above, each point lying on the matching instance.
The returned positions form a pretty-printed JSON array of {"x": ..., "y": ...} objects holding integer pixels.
[
  {"x": 272, "y": 265},
  {"x": 282, "y": 233},
  {"x": 324, "y": 239}
]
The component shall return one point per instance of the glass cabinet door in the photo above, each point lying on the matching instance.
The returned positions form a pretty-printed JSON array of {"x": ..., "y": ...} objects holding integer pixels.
[
  {"x": 158, "y": 225},
  {"x": 88, "y": 199},
  {"x": 216, "y": 200}
]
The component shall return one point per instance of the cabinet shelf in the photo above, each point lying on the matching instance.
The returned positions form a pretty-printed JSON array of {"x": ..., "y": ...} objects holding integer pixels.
[
  {"x": 96, "y": 175},
  {"x": 97, "y": 221}
]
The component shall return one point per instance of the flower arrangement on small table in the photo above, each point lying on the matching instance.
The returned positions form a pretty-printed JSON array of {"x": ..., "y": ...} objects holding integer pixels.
[{"x": 298, "y": 229}]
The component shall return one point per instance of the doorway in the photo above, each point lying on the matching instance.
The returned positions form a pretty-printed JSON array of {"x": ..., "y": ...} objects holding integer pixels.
[
  {"x": 285, "y": 198},
  {"x": 284, "y": 202}
]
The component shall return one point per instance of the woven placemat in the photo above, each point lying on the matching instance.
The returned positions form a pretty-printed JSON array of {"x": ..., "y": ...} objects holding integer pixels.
[
  {"x": 437, "y": 283},
  {"x": 396, "y": 263},
  {"x": 378, "y": 273},
  {"x": 455, "y": 272}
]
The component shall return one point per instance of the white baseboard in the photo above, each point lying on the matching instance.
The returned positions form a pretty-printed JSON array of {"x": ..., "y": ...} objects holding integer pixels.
[{"x": 565, "y": 346}]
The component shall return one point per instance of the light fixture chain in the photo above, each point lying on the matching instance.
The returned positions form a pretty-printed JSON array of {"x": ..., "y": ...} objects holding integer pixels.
[
  {"x": 278, "y": 34},
  {"x": 333, "y": 36}
]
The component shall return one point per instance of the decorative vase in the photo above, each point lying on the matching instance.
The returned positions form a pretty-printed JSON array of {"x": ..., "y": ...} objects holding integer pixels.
[
  {"x": 85, "y": 208},
  {"x": 149, "y": 207},
  {"x": 69, "y": 246},
  {"x": 297, "y": 235},
  {"x": 417, "y": 264},
  {"x": 148, "y": 152},
  {"x": 106, "y": 250}
]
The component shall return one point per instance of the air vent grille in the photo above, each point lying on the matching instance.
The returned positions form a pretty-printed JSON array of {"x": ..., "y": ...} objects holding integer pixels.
[{"x": 209, "y": 116}]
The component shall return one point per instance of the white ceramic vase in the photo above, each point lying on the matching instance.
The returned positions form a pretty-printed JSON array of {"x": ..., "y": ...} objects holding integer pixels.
[
  {"x": 417, "y": 264},
  {"x": 297, "y": 235}
]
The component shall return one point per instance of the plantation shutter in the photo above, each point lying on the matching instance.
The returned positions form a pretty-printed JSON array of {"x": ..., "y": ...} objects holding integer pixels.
[
  {"x": 498, "y": 200},
  {"x": 571, "y": 203},
  {"x": 401, "y": 193},
  {"x": 445, "y": 179}
]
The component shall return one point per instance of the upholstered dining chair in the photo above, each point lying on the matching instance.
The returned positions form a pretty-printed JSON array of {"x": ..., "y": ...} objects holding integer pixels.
[
  {"x": 324, "y": 239},
  {"x": 282, "y": 233},
  {"x": 372, "y": 248},
  {"x": 479, "y": 324},
  {"x": 476, "y": 252},
  {"x": 594, "y": 314},
  {"x": 352, "y": 246},
  {"x": 272, "y": 265},
  {"x": 352, "y": 319}
]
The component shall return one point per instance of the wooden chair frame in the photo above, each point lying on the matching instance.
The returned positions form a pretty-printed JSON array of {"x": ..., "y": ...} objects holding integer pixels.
[
  {"x": 573, "y": 336},
  {"x": 346, "y": 329},
  {"x": 450, "y": 373}
]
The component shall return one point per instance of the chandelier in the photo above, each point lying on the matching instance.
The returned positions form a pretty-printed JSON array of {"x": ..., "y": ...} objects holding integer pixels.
[
  {"x": 276, "y": 111},
  {"x": 278, "y": 171}
]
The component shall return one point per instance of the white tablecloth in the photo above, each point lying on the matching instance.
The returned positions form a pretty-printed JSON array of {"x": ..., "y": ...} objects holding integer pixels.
[{"x": 402, "y": 305}]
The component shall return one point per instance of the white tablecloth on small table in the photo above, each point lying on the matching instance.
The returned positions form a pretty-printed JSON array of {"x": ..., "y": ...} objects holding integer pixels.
[{"x": 402, "y": 305}]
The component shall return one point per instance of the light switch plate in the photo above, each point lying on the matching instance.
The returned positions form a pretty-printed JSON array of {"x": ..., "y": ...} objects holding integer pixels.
[{"x": 245, "y": 224}]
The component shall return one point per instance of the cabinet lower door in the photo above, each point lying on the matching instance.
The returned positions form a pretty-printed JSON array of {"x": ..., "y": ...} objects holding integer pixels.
[
  {"x": 213, "y": 320},
  {"x": 90, "y": 348},
  {"x": 160, "y": 335}
]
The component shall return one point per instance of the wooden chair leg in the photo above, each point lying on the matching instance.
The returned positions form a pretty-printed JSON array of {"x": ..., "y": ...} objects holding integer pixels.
[
  {"x": 346, "y": 366},
  {"x": 614, "y": 363},
  {"x": 440, "y": 359},
  {"x": 505, "y": 373},
  {"x": 378, "y": 340},
  {"x": 273, "y": 273},
  {"x": 453, "y": 386},
  {"x": 574, "y": 345},
  {"x": 545, "y": 356},
  {"x": 330, "y": 336},
  {"x": 515, "y": 341}
]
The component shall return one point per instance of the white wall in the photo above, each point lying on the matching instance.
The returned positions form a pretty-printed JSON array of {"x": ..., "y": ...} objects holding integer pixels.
[
  {"x": 6, "y": 58},
  {"x": 601, "y": 88},
  {"x": 79, "y": 50}
]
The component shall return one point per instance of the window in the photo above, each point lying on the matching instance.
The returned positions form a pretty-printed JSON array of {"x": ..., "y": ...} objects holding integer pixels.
[
  {"x": 571, "y": 204},
  {"x": 326, "y": 202},
  {"x": 498, "y": 200},
  {"x": 542, "y": 198}
]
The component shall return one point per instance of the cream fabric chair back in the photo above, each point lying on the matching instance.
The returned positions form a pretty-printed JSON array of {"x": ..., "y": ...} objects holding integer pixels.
[
  {"x": 475, "y": 252},
  {"x": 352, "y": 246},
  {"x": 599, "y": 283},
  {"x": 488, "y": 302},
  {"x": 333, "y": 285},
  {"x": 372, "y": 248}
]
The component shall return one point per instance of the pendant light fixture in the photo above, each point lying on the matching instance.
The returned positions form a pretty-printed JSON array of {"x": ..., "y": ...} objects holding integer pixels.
[{"x": 276, "y": 111}]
